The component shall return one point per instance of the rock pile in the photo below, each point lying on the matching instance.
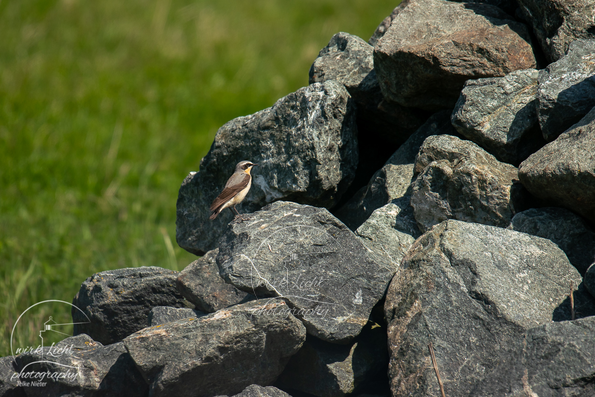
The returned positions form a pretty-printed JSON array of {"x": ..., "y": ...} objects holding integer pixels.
[{"x": 424, "y": 207}]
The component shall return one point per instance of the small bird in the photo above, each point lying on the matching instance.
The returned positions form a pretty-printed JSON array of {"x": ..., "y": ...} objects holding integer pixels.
[{"x": 235, "y": 189}]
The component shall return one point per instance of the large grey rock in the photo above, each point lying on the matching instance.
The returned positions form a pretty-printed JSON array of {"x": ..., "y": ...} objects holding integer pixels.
[
  {"x": 118, "y": 302},
  {"x": 459, "y": 180},
  {"x": 166, "y": 314},
  {"x": 442, "y": 44},
  {"x": 500, "y": 115},
  {"x": 306, "y": 148},
  {"x": 557, "y": 23},
  {"x": 80, "y": 366},
  {"x": 568, "y": 230},
  {"x": 393, "y": 180},
  {"x": 472, "y": 290},
  {"x": 567, "y": 89},
  {"x": 328, "y": 370},
  {"x": 201, "y": 284},
  {"x": 563, "y": 171},
  {"x": 220, "y": 353},
  {"x": 308, "y": 257}
]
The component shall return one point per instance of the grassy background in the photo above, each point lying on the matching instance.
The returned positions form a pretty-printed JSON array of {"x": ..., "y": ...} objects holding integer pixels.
[{"x": 105, "y": 106}]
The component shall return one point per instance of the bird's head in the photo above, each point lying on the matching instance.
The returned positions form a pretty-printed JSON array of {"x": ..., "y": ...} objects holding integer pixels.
[{"x": 245, "y": 166}]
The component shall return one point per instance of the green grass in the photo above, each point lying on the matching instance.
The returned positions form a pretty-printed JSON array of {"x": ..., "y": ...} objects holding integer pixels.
[{"x": 105, "y": 106}]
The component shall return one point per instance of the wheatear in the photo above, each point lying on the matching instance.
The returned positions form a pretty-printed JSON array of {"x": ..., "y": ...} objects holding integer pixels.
[{"x": 235, "y": 189}]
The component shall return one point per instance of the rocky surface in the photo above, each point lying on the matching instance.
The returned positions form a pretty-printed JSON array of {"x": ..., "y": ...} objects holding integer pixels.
[
  {"x": 590, "y": 279},
  {"x": 313, "y": 261},
  {"x": 201, "y": 284},
  {"x": 261, "y": 391},
  {"x": 442, "y": 44},
  {"x": 165, "y": 314},
  {"x": 473, "y": 291},
  {"x": 568, "y": 230},
  {"x": 393, "y": 180},
  {"x": 500, "y": 115},
  {"x": 557, "y": 23},
  {"x": 328, "y": 370},
  {"x": 80, "y": 366},
  {"x": 306, "y": 148},
  {"x": 566, "y": 90},
  {"x": 563, "y": 171},
  {"x": 118, "y": 302},
  {"x": 390, "y": 231},
  {"x": 459, "y": 180},
  {"x": 298, "y": 297},
  {"x": 218, "y": 354}
]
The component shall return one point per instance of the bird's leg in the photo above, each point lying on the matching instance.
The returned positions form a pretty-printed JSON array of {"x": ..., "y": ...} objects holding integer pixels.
[{"x": 238, "y": 214}]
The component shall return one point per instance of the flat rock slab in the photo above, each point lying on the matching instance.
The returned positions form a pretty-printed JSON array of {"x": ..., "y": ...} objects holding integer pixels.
[
  {"x": 442, "y": 44},
  {"x": 472, "y": 290},
  {"x": 313, "y": 261},
  {"x": 557, "y": 23},
  {"x": 201, "y": 284},
  {"x": 569, "y": 231},
  {"x": 563, "y": 171},
  {"x": 218, "y": 354},
  {"x": 118, "y": 302},
  {"x": 306, "y": 148},
  {"x": 500, "y": 115},
  {"x": 566, "y": 90},
  {"x": 459, "y": 180},
  {"x": 80, "y": 366}
]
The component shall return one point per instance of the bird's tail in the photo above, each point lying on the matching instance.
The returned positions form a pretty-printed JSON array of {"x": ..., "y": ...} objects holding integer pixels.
[{"x": 214, "y": 213}]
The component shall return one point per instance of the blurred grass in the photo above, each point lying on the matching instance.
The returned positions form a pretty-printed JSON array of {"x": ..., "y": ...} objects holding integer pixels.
[{"x": 104, "y": 109}]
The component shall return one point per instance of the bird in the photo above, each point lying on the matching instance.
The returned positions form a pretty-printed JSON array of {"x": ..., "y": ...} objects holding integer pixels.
[{"x": 235, "y": 189}]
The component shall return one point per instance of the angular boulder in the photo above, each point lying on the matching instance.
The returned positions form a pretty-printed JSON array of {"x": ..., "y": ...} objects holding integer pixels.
[
  {"x": 118, "y": 302},
  {"x": 201, "y": 284},
  {"x": 459, "y": 180},
  {"x": 566, "y": 90},
  {"x": 500, "y": 115},
  {"x": 394, "y": 179},
  {"x": 218, "y": 354},
  {"x": 472, "y": 290},
  {"x": 557, "y": 23},
  {"x": 306, "y": 256},
  {"x": 306, "y": 148},
  {"x": 568, "y": 230},
  {"x": 442, "y": 44},
  {"x": 80, "y": 366},
  {"x": 390, "y": 231},
  {"x": 563, "y": 172}
]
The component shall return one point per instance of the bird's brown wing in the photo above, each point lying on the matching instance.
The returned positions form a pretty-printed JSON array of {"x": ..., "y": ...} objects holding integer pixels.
[{"x": 233, "y": 186}]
